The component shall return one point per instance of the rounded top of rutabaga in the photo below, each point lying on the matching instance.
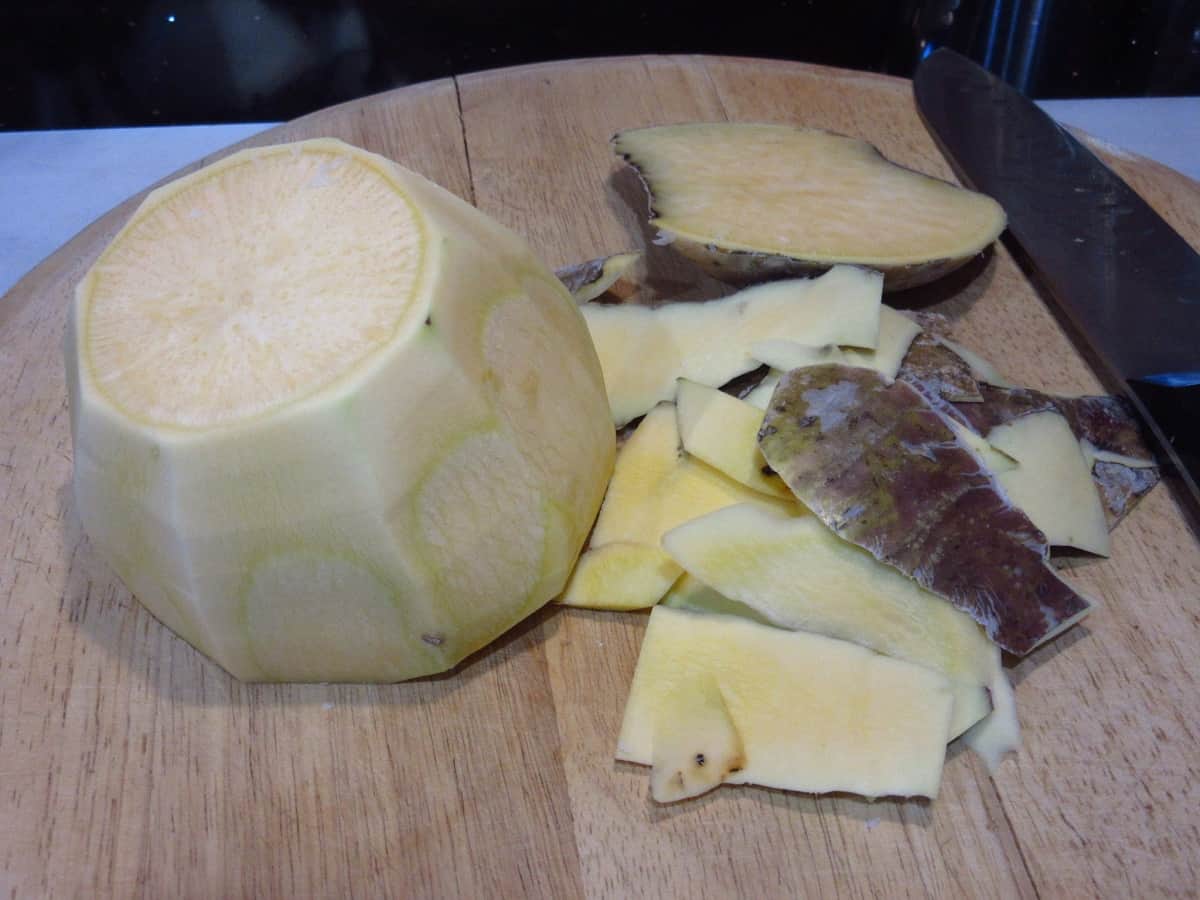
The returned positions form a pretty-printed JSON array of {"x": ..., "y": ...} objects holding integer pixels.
[{"x": 251, "y": 284}]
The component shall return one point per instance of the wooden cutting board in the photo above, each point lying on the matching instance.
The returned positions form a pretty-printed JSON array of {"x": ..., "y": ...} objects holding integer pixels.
[{"x": 131, "y": 765}]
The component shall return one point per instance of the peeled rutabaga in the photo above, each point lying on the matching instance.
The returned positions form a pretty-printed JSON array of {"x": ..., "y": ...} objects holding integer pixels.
[{"x": 330, "y": 422}]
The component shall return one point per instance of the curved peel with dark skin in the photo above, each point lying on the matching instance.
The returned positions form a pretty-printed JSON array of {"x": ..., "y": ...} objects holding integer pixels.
[
  {"x": 751, "y": 202},
  {"x": 590, "y": 279},
  {"x": 1121, "y": 487},
  {"x": 882, "y": 469}
]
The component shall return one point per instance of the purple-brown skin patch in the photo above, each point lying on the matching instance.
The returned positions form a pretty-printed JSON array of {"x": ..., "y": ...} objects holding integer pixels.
[
  {"x": 581, "y": 274},
  {"x": 882, "y": 469},
  {"x": 1121, "y": 487},
  {"x": 934, "y": 368}
]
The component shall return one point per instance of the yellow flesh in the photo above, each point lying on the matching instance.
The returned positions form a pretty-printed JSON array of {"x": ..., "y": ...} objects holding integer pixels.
[
  {"x": 689, "y": 592},
  {"x": 798, "y": 574},
  {"x": 896, "y": 332},
  {"x": 654, "y": 487},
  {"x": 995, "y": 461},
  {"x": 999, "y": 734},
  {"x": 812, "y": 713},
  {"x": 696, "y": 745},
  {"x": 802, "y": 193},
  {"x": 643, "y": 351},
  {"x": 1052, "y": 481},
  {"x": 722, "y": 430},
  {"x": 620, "y": 575},
  {"x": 760, "y": 397},
  {"x": 188, "y": 313}
]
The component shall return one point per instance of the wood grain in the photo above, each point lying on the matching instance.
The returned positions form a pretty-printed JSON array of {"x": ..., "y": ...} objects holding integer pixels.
[{"x": 131, "y": 765}]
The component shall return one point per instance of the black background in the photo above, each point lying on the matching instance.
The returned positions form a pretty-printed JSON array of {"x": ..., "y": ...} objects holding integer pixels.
[{"x": 66, "y": 64}]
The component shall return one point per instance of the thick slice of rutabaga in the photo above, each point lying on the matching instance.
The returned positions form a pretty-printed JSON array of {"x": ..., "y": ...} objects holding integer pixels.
[
  {"x": 1121, "y": 480},
  {"x": 799, "y": 575},
  {"x": 722, "y": 430},
  {"x": 695, "y": 743},
  {"x": 1052, "y": 481},
  {"x": 655, "y": 486},
  {"x": 753, "y": 201},
  {"x": 813, "y": 714},
  {"x": 896, "y": 332},
  {"x": 588, "y": 280},
  {"x": 643, "y": 465},
  {"x": 643, "y": 350},
  {"x": 884, "y": 471}
]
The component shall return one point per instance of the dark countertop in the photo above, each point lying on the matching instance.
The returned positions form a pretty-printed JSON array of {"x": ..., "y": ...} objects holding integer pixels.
[{"x": 65, "y": 64}]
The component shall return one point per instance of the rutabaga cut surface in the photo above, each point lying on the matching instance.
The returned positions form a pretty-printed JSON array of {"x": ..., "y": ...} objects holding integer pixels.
[
  {"x": 251, "y": 364},
  {"x": 811, "y": 713},
  {"x": 753, "y": 200},
  {"x": 644, "y": 350}
]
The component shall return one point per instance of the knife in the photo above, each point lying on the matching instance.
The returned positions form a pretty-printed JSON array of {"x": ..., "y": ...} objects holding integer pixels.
[{"x": 1126, "y": 281}]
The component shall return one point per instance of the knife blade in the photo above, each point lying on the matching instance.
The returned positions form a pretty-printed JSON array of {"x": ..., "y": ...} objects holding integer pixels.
[{"x": 1126, "y": 281}]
